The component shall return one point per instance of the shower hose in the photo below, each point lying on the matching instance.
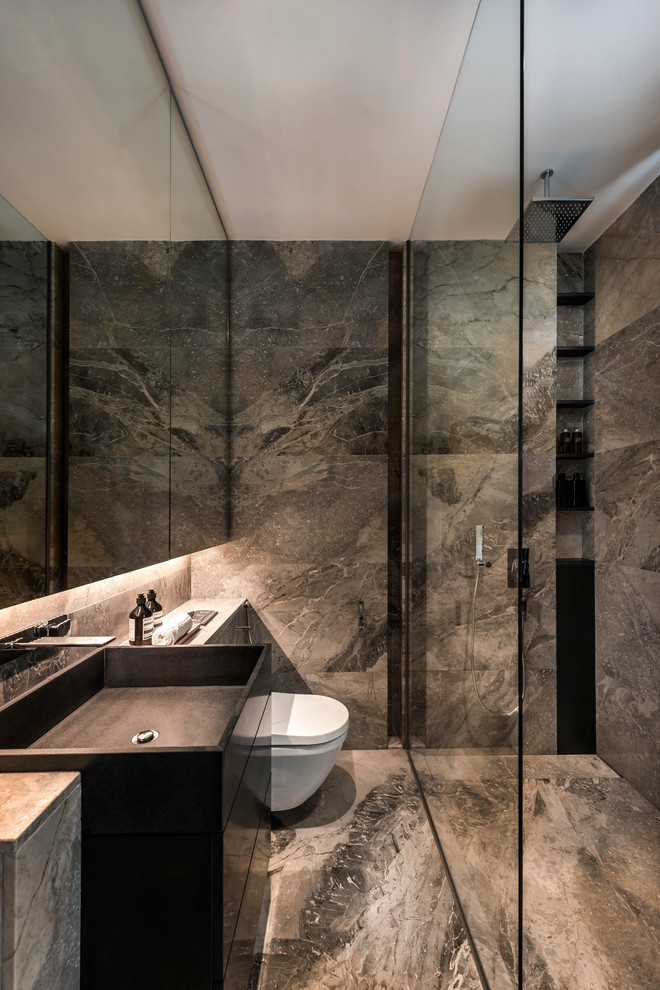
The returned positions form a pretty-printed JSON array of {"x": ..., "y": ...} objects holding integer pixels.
[{"x": 491, "y": 711}]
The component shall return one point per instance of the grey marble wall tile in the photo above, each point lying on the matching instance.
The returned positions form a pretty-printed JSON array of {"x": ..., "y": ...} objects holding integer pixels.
[
  {"x": 627, "y": 674},
  {"x": 118, "y": 515},
  {"x": 539, "y": 535},
  {"x": 118, "y": 294},
  {"x": 119, "y": 401},
  {"x": 149, "y": 375},
  {"x": 23, "y": 418},
  {"x": 22, "y": 528},
  {"x": 336, "y": 507},
  {"x": 570, "y": 325},
  {"x": 198, "y": 502},
  {"x": 309, "y": 467},
  {"x": 540, "y": 711},
  {"x": 464, "y": 471},
  {"x": 627, "y": 501},
  {"x": 297, "y": 292},
  {"x": 469, "y": 402},
  {"x": 570, "y": 272},
  {"x": 295, "y": 400},
  {"x": 627, "y": 265},
  {"x": 466, "y": 340},
  {"x": 627, "y": 370},
  {"x": 623, "y": 267},
  {"x": 41, "y": 905},
  {"x": 465, "y": 293},
  {"x": 365, "y": 696},
  {"x": 198, "y": 303},
  {"x": 23, "y": 352},
  {"x": 310, "y": 609},
  {"x": 455, "y": 717}
]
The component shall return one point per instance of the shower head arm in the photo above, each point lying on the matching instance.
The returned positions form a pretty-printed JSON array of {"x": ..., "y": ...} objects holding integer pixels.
[{"x": 545, "y": 175}]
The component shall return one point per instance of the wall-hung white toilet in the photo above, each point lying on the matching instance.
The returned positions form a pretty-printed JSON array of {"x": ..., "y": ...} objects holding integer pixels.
[{"x": 308, "y": 732}]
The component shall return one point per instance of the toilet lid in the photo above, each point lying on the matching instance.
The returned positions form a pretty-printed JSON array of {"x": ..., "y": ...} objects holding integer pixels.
[{"x": 307, "y": 719}]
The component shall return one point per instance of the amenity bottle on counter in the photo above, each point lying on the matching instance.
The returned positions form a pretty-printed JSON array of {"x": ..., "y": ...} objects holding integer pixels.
[
  {"x": 140, "y": 623},
  {"x": 155, "y": 607}
]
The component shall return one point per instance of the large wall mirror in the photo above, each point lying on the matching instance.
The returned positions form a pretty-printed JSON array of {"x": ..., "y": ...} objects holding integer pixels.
[{"x": 113, "y": 306}]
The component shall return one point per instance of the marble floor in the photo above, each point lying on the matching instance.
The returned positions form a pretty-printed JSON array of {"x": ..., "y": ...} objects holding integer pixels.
[
  {"x": 358, "y": 896},
  {"x": 591, "y": 879}
]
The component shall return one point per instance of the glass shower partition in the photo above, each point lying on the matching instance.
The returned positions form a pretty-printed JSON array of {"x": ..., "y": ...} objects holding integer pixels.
[{"x": 463, "y": 491}]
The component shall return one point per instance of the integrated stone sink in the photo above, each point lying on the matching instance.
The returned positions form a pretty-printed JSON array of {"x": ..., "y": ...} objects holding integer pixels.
[{"x": 180, "y": 821}]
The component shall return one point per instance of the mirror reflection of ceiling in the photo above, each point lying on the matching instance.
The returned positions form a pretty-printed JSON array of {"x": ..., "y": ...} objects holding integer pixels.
[
  {"x": 14, "y": 227},
  {"x": 88, "y": 149}
]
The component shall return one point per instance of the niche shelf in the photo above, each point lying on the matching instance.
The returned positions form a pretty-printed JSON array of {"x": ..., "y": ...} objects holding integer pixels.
[
  {"x": 575, "y": 457},
  {"x": 575, "y": 350},
  {"x": 574, "y": 403},
  {"x": 574, "y": 298},
  {"x": 574, "y": 508}
]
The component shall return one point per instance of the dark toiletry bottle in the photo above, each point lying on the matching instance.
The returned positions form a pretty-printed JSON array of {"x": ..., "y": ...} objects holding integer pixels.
[
  {"x": 580, "y": 499},
  {"x": 140, "y": 623},
  {"x": 566, "y": 442},
  {"x": 578, "y": 447},
  {"x": 155, "y": 607},
  {"x": 564, "y": 491}
]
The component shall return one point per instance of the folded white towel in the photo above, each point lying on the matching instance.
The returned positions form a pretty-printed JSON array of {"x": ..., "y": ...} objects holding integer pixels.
[{"x": 171, "y": 631}]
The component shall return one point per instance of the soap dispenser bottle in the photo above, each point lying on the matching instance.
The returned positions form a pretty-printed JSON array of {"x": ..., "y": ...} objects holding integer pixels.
[
  {"x": 155, "y": 607},
  {"x": 140, "y": 623}
]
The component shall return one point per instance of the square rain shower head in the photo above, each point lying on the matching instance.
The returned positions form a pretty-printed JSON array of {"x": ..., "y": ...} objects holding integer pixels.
[{"x": 547, "y": 221}]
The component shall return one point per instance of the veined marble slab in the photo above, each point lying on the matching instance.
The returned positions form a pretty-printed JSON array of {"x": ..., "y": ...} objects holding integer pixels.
[
  {"x": 40, "y": 845},
  {"x": 359, "y": 898}
]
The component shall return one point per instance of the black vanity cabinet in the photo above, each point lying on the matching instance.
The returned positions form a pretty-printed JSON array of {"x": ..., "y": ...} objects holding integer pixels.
[{"x": 175, "y": 831}]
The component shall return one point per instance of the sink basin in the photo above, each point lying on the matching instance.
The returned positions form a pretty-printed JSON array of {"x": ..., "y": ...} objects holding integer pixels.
[
  {"x": 184, "y": 817},
  {"x": 205, "y": 702}
]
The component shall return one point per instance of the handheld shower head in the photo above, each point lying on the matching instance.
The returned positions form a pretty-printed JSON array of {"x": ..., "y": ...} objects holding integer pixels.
[{"x": 479, "y": 545}]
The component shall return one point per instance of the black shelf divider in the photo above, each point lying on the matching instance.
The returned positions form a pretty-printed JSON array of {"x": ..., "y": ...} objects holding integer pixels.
[
  {"x": 574, "y": 350},
  {"x": 574, "y": 298},
  {"x": 574, "y": 508},
  {"x": 575, "y": 457},
  {"x": 574, "y": 403}
]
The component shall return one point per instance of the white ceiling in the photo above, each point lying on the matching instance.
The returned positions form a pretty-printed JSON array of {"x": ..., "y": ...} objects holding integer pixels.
[
  {"x": 320, "y": 119},
  {"x": 315, "y": 119}
]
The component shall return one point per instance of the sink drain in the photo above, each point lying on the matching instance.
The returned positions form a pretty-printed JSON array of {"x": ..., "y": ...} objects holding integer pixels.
[{"x": 145, "y": 736}]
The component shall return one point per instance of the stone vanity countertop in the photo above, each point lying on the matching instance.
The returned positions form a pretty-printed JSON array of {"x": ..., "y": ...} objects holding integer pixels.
[
  {"x": 26, "y": 800},
  {"x": 225, "y": 607}
]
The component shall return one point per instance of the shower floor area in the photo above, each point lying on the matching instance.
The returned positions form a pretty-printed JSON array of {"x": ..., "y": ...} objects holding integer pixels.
[{"x": 591, "y": 871}]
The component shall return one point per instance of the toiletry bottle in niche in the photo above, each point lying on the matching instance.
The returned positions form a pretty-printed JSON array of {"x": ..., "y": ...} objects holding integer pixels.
[
  {"x": 564, "y": 491},
  {"x": 140, "y": 623},
  {"x": 566, "y": 442},
  {"x": 155, "y": 607},
  {"x": 580, "y": 495},
  {"x": 578, "y": 447}
]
